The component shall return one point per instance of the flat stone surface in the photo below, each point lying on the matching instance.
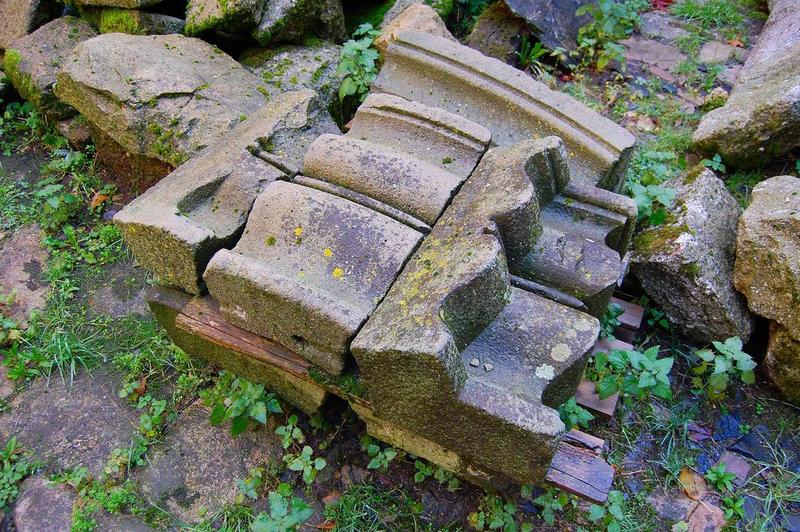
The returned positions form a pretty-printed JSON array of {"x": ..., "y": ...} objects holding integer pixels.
[
  {"x": 737, "y": 465},
  {"x": 437, "y": 72},
  {"x": 20, "y": 17},
  {"x": 120, "y": 292},
  {"x": 68, "y": 426},
  {"x": 177, "y": 225},
  {"x": 706, "y": 517},
  {"x": 652, "y": 54},
  {"x": 32, "y": 62},
  {"x": 163, "y": 97},
  {"x": 720, "y": 52},
  {"x": 292, "y": 67},
  {"x": 196, "y": 467},
  {"x": 686, "y": 265},
  {"x": 308, "y": 270},
  {"x": 673, "y": 506},
  {"x": 762, "y": 116},
  {"x": 21, "y": 273},
  {"x": 660, "y": 25}
]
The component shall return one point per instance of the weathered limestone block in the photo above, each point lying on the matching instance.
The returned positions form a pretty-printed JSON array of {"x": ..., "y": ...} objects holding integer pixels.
[
  {"x": 453, "y": 302},
  {"x": 293, "y": 67},
  {"x": 161, "y": 97},
  {"x": 767, "y": 268},
  {"x": 308, "y": 270},
  {"x": 271, "y": 21},
  {"x": 783, "y": 361},
  {"x": 686, "y": 264},
  {"x": 497, "y": 33},
  {"x": 32, "y": 62},
  {"x": 762, "y": 116},
  {"x": 512, "y": 105},
  {"x": 414, "y": 17},
  {"x": 176, "y": 226},
  {"x": 134, "y": 22},
  {"x": 20, "y": 17}
]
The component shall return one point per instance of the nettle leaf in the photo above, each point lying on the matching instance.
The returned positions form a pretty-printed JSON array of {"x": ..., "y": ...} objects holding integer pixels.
[
  {"x": 278, "y": 506},
  {"x": 618, "y": 358},
  {"x": 607, "y": 387},
  {"x": 721, "y": 365},
  {"x": 706, "y": 354},
  {"x": 218, "y": 414},
  {"x": 596, "y": 512},
  {"x": 718, "y": 381},
  {"x": 748, "y": 377},
  {"x": 239, "y": 425},
  {"x": 600, "y": 361}
]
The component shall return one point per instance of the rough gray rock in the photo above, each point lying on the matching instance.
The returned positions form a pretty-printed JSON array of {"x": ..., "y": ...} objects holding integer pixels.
[
  {"x": 32, "y": 62},
  {"x": 555, "y": 23},
  {"x": 497, "y": 32},
  {"x": 271, "y": 21},
  {"x": 176, "y": 226},
  {"x": 293, "y": 67},
  {"x": 20, "y": 17},
  {"x": 783, "y": 361},
  {"x": 124, "y": 4},
  {"x": 413, "y": 17},
  {"x": 762, "y": 116},
  {"x": 686, "y": 264},
  {"x": 161, "y": 97},
  {"x": 92, "y": 421},
  {"x": 196, "y": 467}
]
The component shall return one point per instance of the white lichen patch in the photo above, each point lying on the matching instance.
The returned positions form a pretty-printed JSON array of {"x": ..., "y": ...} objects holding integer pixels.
[
  {"x": 546, "y": 371},
  {"x": 560, "y": 352}
]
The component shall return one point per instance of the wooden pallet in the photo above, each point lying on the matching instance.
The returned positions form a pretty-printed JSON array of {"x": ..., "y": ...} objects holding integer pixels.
[{"x": 578, "y": 466}]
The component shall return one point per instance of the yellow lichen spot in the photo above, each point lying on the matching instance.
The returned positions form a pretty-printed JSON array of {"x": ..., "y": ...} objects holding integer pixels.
[
  {"x": 270, "y": 240},
  {"x": 328, "y": 252},
  {"x": 298, "y": 231},
  {"x": 560, "y": 352},
  {"x": 301, "y": 274},
  {"x": 338, "y": 272},
  {"x": 583, "y": 325},
  {"x": 546, "y": 371}
]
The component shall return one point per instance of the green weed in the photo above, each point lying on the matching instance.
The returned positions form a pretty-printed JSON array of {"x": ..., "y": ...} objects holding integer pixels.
[
  {"x": 15, "y": 468},
  {"x": 716, "y": 367},
  {"x": 239, "y": 401},
  {"x": 632, "y": 373},
  {"x": 574, "y": 415}
]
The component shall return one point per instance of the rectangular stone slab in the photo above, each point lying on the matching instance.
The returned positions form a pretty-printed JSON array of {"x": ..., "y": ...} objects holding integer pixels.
[
  {"x": 309, "y": 270},
  {"x": 512, "y": 105}
]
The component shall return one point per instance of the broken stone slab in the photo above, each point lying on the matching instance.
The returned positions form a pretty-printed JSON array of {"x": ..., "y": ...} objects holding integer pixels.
[
  {"x": 293, "y": 67},
  {"x": 32, "y": 62},
  {"x": 661, "y": 25},
  {"x": 24, "y": 260},
  {"x": 166, "y": 304},
  {"x": 720, "y": 52},
  {"x": 196, "y": 467},
  {"x": 767, "y": 268},
  {"x": 783, "y": 361},
  {"x": 308, "y": 270},
  {"x": 163, "y": 97},
  {"x": 555, "y": 23},
  {"x": 435, "y": 71},
  {"x": 762, "y": 116},
  {"x": 686, "y": 264},
  {"x": 453, "y": 293},
  {"x": 133, "y": 21},
  {"x": 176, "y": 226},
  {"x": 414, "y": 17},
  {"x": 497, "y": 32},
  {"x": 92, "y": 421},
  {"x": 656, "y": 56},
  {"x": 20, "y": 17}
]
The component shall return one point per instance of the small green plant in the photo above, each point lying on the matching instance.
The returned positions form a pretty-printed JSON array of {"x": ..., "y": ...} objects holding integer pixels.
[
  {"x": 305, "y": 463},
  {"x": 494, "y": 514},
  {"x": 290, "y": 433},
  {"x": 652, "y": 202},
  {"x": 379, "y": 458},
  {"x": 721, "y": 479},
  {"x": 239, "y": 401},
  {"x": 574, "y": 415},
  {"x": 286, "y": 512},
  {"x": 797, "y": 167},
  {"x": 359, "y": 64},
  {"x": 734, "y": 507},
  {"x": 611, "y": 514},
  {"x": 426, "y": 470},
  {"x": 715, "y": 163},
  {"x": 553, "y": 501},
  {"x": 611, "y": 21},
  {"x": 250, "y": 486},
  {"x": 632, "y": 373},
  {"x": 717, "y": 366},
  {"x": 529, "y": 54},
  {"x": 610, "y": 320},
  {"x": 15, "y": 468}
]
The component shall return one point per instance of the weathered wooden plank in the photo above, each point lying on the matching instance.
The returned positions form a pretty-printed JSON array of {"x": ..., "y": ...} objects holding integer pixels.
[
  {"x": 632, "y": 317},
  {"x": 587, "y": 397},
  {"x": 587, "y": 441},
  {"x": 581, "y": 471},
  {"x": 607, "y": 344},
  {"x": 202, "y": 317}
]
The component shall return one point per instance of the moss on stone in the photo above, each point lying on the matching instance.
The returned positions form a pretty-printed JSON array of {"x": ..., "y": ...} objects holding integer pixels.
[
  {"x": 114, "y": 20},
  {"x": 691, "y": 270},
  {"x": 22, "y": 81},
  {"x": 692, "y": 175},
  {"x": 652, "y": 240}
]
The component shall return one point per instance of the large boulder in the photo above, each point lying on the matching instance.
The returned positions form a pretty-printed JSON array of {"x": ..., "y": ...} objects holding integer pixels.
[
  {"x": 686, "y": 264},
  {"x": 20, "y": 17},
  {"x": 270, "y": 21},
  {"x": 33, "y": 61},
  {"x": 158, "y": 97},
  {"x": 497, "y": 32},
  {"x": 768, "y": 273},
  {"x": 762, "y": 115},
  {"x": 414, "y": 17},
  {"x": 555, "y": 23},
  {"x": 293, "y": 67}
]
